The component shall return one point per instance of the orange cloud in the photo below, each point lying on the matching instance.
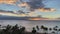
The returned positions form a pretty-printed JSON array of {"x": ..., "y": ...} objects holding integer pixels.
[
  {"x": 46, "y": 9},
  {"x": 23, "y": 4},
  {"x": 8, "y": 1}
]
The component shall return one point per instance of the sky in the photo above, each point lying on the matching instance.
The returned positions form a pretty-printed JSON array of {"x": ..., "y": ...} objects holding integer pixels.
[{"x": 45, "y": 8}]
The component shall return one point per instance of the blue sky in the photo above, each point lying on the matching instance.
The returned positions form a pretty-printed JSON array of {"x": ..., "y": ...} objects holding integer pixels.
[
  {"x": 53, "y": 4},
  {"x": 48, "y": 3}
]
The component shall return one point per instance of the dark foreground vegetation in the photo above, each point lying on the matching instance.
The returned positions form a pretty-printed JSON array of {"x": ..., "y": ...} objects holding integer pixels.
[{"x": 22, "y": 30}]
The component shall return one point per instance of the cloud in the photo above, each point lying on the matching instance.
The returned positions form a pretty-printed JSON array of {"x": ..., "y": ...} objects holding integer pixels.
[
  {"x": 46, "y": 9},
  {"x": 23, "y": 4},
  {"x": 36, "y": 5},
  {"x": 33, "y": 4},
  {"x": 7, "y": 1}
]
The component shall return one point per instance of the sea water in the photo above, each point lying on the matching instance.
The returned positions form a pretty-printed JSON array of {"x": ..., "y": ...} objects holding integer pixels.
[{"x": 30, "y": 24}]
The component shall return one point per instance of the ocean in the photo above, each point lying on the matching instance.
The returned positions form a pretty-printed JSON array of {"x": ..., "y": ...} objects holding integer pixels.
[{"x": 30, "y": 24}]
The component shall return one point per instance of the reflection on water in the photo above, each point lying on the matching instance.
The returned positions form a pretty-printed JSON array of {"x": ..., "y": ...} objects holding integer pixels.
[{"x": 30, "y": 24}]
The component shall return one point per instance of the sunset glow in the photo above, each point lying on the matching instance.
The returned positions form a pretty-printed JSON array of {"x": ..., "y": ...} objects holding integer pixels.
[
  {"x": 46, "y": 10},
  {"x": 50, "y": 9},
  {"x": 8, "y": 1}
]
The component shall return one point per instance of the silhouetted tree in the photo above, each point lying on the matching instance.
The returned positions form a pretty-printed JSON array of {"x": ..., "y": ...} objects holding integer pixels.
[
  {"x": 44, "y": 28},
  {"x": 59, "y": 29},
  {"x": 22, "y": 30},
  {"x": 34, "y": 30},
  {"x": 0, "y": 26},
  {"x": 15, "y": 29},
  {"x": 37, "y": 27},
  {"x": 56, "y": 29},
  {"x": 50, "y": 29},
  {"x": 7, "y": 30}
]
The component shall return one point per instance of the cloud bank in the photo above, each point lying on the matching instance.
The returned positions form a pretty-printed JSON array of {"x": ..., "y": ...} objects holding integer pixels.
[
  {"x": 32, "y": 4},
  {"x": 8, "y": 1},
  {"x": 36, "y": 5}
]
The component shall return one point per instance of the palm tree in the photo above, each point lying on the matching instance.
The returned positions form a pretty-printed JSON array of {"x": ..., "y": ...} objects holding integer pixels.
[
  {"x": 15, "y": 29},
  {"x": 59, "y": 29},
  {"x": 22, "y": 30},
  {"x": 56, "y": 29},
  {"x": 0, "y": 29},
  {"x": 50, "y": 29},
  {"x": 34, "y": 30},
  {"x": 0, "y": 26},
  {"x": 44, "y": 28},
  {"x": 7, "y": 30},
  {"x": 37, "y": 27}
]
